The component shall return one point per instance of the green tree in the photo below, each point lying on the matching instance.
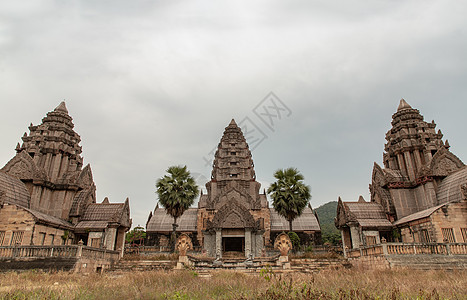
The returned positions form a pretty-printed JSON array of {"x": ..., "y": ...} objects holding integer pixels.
[
  {"x": 135, "y": 235},
  {"x": 177, "y": 192},
  {"x": 326, "y": 215},
  {"x": 289, "y": 194},
  {"x": 295, "y": 239}
]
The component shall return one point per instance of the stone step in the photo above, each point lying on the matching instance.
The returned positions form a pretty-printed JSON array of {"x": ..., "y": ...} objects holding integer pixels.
[{"x": 143, "y": 265}]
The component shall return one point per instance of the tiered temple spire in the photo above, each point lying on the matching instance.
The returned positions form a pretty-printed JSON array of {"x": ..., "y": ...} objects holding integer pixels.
[
  {"x": 411, "y": 142},
  {"x": 54, "y": 145},
  {"x": 233, "y": 159}
]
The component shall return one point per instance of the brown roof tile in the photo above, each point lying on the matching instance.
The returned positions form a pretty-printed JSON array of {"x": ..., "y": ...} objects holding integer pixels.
[
  {"x": 306, "y": 222},
  {"x": 41, "y": 217},
  {"x": 162, "y": 222},
  {"x": 449, "y": 190},
  {"x": 13, "y": 190},
  {"x": 418, "y": 215},
  {"x": 92, "y": 225},
  {"x": 103, "y": 212},
  {"x": 367, "y": 214}
]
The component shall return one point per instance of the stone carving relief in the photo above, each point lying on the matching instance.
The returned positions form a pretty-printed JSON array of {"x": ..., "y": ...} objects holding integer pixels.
[
  {"x": 464, "y": 191},
  {"x": 233, "y": 221},
  {"x": 22, "y": 166},
  {"x": 444, "y": 168},
  {"x": 445, "y": 163},
  {"x": 184, "y": 244},
  {"x": 21, "y": 170},
  {"x": 377, "y": 177},
  {"x": 283, "y": 244},
  {"x": 341, "y": 217},
  {"x": 85, "y": 177},
  {"x": 232, "y": 215}
]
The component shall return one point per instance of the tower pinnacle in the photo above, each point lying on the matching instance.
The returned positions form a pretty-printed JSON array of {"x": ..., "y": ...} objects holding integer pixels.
[
  {"x": 61, "y": 107},
  {"x": 403, "y": 105},
  {"x": 233, "y": 123}
]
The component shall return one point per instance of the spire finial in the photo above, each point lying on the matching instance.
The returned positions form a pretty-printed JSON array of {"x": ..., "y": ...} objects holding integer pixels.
[
  {"x": 233, "y": 122},
  {"x": 61, "y": 107},
  {"x": 403, "y": 105}
]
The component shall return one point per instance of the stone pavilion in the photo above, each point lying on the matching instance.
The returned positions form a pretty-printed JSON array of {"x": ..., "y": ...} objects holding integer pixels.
[
  {"x": 418, "y": 196},
  {"x": 47, "y": 196}
]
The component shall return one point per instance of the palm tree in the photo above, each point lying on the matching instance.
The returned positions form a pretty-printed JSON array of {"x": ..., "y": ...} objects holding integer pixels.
[
  {"x": 289, "y": 194},
  {"x": 177, "y": 192}
]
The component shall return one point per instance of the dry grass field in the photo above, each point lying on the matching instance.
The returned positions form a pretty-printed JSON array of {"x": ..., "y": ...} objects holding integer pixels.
[{"x": 332, "y": 284}]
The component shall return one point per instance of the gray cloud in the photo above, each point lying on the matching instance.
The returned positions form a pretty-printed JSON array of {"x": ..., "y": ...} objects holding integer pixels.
[{"x": 151, "y": 83}]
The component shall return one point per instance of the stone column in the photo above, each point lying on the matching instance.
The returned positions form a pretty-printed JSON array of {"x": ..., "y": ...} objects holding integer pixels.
[
  {"x": 400, "y": 159},
  {"x": 355, "y": 236},
  {"x": 418, "y": 159},
  {"x": 57, "y": 162},
  {"x": 218, "y": 243},
  {"x": 247, "y": 242},
  {"x": 409, "y": 164},
  {"x": 110, "y": 236},
  {"x": 343, "y": 243}
]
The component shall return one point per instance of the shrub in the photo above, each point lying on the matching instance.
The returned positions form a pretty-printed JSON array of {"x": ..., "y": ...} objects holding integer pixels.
[{"x": 295, "y": 240}]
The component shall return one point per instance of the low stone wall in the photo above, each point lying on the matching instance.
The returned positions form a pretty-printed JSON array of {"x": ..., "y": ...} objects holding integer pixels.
[
  {"x": 428, "y": 262},
  {"x": 408, "y": 255},
  {"x": 77, "y": 258},
  {"x": 39, "y": 263}
]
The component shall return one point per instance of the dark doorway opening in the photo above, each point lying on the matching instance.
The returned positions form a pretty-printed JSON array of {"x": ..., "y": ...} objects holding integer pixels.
[
  {"x": 233, "y": 244},
  {"x": 81, "y": 237}
]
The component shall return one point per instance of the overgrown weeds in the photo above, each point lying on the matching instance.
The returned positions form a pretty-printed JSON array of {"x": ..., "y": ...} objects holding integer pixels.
[{"x": 327, "y": 284}]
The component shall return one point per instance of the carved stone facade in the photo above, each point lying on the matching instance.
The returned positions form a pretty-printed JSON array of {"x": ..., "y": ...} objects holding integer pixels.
[
  {"x": 420, "y": 177},
  {"x": 232, "y": 196},
  {"x": 56, "y": 189},
  {"x": 233, "y": 217},
  {"x": 416, "y": 160}
]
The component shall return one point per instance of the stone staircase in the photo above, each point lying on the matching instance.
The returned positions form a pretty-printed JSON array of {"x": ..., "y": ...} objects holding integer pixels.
[
  {"x": 310, "y": 265},
  {"x": 205, "y": 266},
  {"x": 143, "y": 265},
  {"x": 428, "y": 262}
]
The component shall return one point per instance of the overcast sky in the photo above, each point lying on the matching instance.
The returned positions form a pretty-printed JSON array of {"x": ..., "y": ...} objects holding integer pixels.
[{"x": 151, "y": 84}]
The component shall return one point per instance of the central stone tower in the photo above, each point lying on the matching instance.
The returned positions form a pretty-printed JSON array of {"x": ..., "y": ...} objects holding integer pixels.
[{"x": 232, "y": 216}]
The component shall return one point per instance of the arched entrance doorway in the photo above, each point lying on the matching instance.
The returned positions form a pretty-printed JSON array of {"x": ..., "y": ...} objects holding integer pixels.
[{"x": 233, "y": 242}]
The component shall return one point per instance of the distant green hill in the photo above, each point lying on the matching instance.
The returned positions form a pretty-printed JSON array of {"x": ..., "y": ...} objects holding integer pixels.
[{"x": 326, "y": 214}]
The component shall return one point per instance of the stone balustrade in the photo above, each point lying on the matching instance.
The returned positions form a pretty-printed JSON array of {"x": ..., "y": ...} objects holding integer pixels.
[
  {"x": 409, "y": 249},
  {"x": 79, "y": 251}
]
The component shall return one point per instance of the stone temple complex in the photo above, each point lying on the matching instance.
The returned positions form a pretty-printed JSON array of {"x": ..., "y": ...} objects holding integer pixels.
[
  {"x": 47, "y": 197},
  {"x": 418, "y": 196},
  {"x": 233, "y": 216}
]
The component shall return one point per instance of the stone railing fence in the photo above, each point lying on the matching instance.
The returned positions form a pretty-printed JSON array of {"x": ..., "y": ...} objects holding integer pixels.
[
  {"x": 409, "y": 249},
  {"x": 78, "y": 251},
  {"x": 150, "y": 250}
]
